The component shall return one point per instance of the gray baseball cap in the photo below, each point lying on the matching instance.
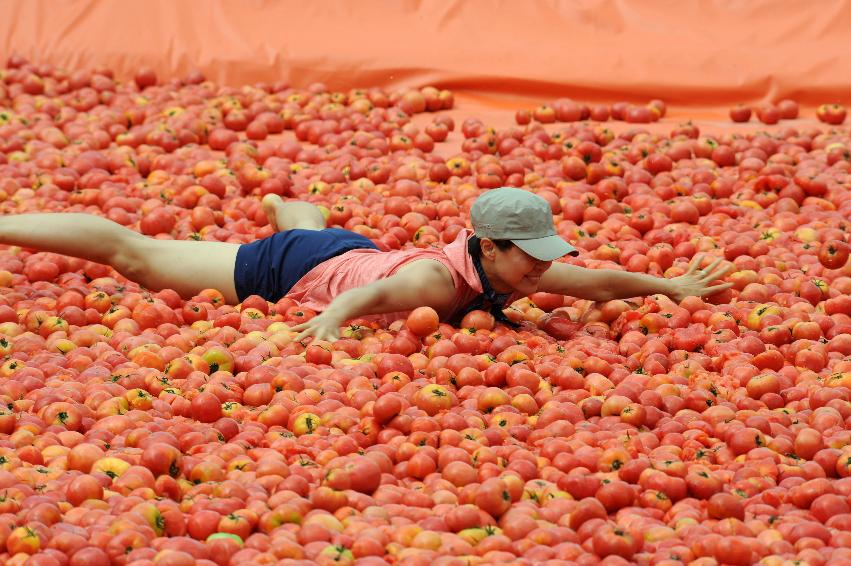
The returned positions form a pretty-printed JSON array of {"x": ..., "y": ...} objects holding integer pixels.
[{"x": 524, "y": 218}]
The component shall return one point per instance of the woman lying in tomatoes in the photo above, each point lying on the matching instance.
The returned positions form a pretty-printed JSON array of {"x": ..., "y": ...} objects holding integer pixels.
[{"x": 342, "y": 275}]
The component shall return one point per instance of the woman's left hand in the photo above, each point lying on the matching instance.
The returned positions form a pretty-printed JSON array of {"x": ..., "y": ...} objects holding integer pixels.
[{"x": 698, "y": 282}]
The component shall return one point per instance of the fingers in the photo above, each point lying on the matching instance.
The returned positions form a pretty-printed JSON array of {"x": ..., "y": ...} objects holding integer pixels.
[
  {"x": 317, "y": 332},
  {"x": 721, "y": 272},
  {"x": 708, "y": 273},
  {"x": 716, "y": 288},
  {"x": 715, "y": 269},
  {"x": 323, "y": 333},
  {"x": 307, "y": 329},
  {"x": 302, "y": 335},
  {"x": 730, "y": 268},
  {"x": 695, "y": 263}
]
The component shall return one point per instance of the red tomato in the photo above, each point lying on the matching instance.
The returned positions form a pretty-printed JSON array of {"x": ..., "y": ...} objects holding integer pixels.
[
  {"x": 478, "y": 320},
  {"x": 386, "y": 407},
  {"x": 493, "y": 497},
  {"x": 723, "y": 505},
  {"x": 833, "y": 254},
  {"x": 89, "y": 556},
  {"x": 162, "y": 459},
  {"x": 82, "y": 488},
  {"x": 423, "y": 321},
  {"x": 615, "y": 495},
  {"x": 157, "y": 221},
  {"x": 206, "y": 408},
  {"x": 734, "y": 550},
  {"x": 610, "y": 541}
]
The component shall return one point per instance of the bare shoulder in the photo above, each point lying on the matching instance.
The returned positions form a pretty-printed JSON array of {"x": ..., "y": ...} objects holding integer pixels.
[
  {"x": 427, "y": 267},
  {"x": 432, "y": 279}
]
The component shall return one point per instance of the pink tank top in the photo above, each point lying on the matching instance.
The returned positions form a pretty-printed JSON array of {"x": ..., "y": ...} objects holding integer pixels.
[{"x": 357, "y": 268}]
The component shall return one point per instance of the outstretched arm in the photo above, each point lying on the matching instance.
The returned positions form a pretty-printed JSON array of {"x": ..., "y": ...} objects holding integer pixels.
[
  {"x": 610, "y": 284},
  {"x": 424, "y": 283}
]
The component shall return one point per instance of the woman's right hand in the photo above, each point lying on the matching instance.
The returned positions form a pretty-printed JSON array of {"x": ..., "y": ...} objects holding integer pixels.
[{"x": 323, "y": 326}]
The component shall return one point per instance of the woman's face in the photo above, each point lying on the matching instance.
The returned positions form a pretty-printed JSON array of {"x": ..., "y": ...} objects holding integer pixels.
[{"x": 512, "y": 270}]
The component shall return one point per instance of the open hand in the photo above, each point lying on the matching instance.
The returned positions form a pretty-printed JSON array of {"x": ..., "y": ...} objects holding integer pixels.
[
  {"x": 697, "y": 282},
  {"x": 323, "y": 326}
]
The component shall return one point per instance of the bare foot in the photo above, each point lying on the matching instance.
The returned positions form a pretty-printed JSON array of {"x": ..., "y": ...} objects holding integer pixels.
[
  {"x": 271, "y": 203},
  {"x": 292, "y": 215}
]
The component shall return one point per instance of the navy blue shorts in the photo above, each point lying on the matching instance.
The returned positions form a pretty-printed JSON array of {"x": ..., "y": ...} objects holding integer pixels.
[{"x": 271, "y": 266}]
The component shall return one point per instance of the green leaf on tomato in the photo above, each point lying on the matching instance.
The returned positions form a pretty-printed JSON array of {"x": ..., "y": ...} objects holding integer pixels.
[{"x": 217, "y": 536}]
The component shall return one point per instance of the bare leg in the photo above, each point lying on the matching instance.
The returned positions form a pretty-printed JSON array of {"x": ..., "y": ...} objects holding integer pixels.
[
  {"x": 289, "y": 215},
  {"x": 186, "y": 266}
]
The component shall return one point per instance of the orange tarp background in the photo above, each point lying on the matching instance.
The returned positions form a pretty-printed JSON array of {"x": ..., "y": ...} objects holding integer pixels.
[
  {"x": 701, "y": 57},
  {"x": 688, "y": 53}
]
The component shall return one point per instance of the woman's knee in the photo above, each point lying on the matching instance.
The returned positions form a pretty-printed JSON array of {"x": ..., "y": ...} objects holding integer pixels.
[
  {"x": 300, "y": 215},
  {"x": 185, "y": 266},
  {"x": 135, "y": 257}
]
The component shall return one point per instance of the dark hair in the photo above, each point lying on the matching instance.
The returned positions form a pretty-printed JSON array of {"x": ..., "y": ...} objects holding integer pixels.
[{"x": 475, "y": 249}]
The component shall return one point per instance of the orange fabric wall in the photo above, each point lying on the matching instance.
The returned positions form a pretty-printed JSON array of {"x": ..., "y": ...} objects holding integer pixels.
[{"x": 688, "y": 53}]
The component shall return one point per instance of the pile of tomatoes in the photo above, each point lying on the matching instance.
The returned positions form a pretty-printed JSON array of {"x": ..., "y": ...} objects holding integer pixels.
[{"x": 140, "y": 428}]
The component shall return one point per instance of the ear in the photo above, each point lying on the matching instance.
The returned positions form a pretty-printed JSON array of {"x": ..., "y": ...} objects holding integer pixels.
[{"x": 488, "y": 249}]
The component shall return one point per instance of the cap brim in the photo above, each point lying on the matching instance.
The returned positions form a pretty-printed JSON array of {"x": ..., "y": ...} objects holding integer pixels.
[{"x": 546, "y": 249}]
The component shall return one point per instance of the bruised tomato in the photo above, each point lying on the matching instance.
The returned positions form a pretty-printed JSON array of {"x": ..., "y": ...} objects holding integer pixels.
[{"x": 559, "y": 326}]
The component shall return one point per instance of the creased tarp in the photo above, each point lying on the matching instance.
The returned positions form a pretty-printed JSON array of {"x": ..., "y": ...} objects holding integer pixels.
[{"x": 709, "y": 53}]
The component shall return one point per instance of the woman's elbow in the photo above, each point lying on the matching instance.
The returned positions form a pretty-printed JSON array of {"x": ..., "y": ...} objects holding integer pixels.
[
  {"x": 604, "y": 295},
  {"x": 600, "y": 295},
  {"x": 592, "y": 293}
]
